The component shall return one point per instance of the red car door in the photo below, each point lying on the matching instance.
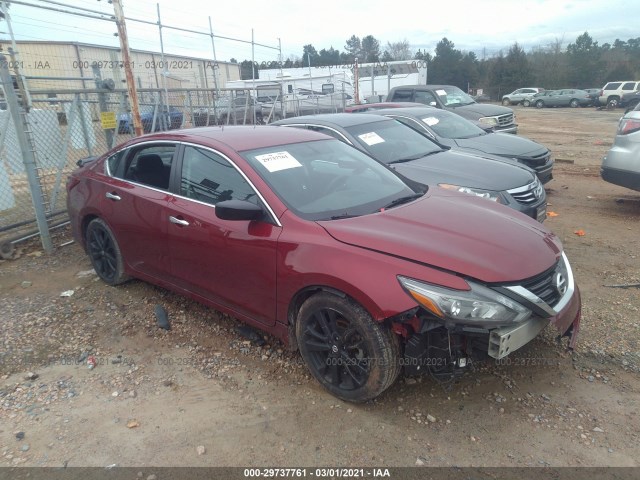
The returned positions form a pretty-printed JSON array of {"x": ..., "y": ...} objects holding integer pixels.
[
  {"x": 231, "y": 263},
  {"x": 134, "y": 204}
]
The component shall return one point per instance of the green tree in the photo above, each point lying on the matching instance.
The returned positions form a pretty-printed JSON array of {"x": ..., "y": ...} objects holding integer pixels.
[
  {"x": 517, "y": 72},
  {"x": 245, "y": 70},
  {"x": 583, "y": 58},
  {"x": 329, "y": 57},
  {"x": 446, "y": 64},
  {"x": 309, "y": 55},
  {"x": 469, "y": 70},
  {"x": 353, "y": 49},
  {"x": 370, "y": 49},
  {"x": 420, "y": 55},
  {"x": 386, "y": 57}
]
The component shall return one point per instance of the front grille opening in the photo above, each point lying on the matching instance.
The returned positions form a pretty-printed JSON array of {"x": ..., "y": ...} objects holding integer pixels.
[
  {"x": 526, "y": 197},
  {"x": 543, "y": 286}
]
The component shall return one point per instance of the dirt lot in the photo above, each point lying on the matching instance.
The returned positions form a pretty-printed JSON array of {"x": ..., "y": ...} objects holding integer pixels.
[{"x": 203, "y": 395}]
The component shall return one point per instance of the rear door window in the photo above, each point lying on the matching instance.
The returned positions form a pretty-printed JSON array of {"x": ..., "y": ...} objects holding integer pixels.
[{"x": 150, "y": 165}]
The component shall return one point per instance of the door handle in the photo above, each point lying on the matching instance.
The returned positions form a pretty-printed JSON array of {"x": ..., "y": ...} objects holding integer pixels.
[
  {"x": 179, "y": 221},
  {"x": 113, "y": 196}
]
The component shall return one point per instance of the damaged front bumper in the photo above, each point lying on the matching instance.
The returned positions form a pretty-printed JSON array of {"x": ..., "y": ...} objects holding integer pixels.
[{"x": 433, "y": 346}]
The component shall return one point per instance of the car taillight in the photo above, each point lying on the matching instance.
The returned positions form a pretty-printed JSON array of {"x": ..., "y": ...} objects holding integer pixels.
[{"x": 628, "y": 125}]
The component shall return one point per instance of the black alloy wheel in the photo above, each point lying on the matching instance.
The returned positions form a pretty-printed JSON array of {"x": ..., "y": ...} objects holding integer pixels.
[
  {"x": 350, "y": 354},
  {"x": 104, "y": 253}
]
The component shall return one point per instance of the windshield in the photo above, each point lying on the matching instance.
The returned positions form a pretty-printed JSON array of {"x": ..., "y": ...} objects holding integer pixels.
[
  {"x": 391, "y": 141},
  {"x": 451, "y": 126},
  {"x": 453, "y": 97},
  {"x": 327, "y": 179}
]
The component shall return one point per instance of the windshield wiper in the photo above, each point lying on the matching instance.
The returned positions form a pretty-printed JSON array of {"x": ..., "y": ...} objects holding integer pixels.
[
  {"x": 414, "y": 157},
  {"x": 339, "y": 217},
  {"x": 401, "y": 200}
]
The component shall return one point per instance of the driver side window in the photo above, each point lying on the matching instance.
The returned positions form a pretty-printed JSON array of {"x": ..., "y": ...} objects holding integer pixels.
[
  {"x": 424, "y": 97},
  {"x": 210, "y": 178}
]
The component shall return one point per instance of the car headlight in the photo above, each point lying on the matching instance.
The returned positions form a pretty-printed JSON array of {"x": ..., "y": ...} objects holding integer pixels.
[
  {"x": 478, "y": 192},
  {"x": 479, "y": 306},
  {"x": 488, "y": 120}
]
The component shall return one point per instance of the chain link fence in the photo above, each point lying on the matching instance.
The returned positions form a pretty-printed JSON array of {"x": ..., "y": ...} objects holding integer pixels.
[{"x": 65, "y": 125}]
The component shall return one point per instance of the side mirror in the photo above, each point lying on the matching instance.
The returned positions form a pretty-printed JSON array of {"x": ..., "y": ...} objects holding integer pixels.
[
  {"x": 433, "y": 104},
  {"x": 238, "y": 210}
]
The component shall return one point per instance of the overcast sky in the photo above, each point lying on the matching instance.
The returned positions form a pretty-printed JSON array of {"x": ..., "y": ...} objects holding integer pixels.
[{"x": 483, "y": 26}]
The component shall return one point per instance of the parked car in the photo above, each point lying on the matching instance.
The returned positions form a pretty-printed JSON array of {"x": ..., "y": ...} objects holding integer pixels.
[
  {"x": 568, "y": 97},
  {"x": 612, "y": 92},
  {"x": 594, "y": 94},
  {"x": 621, "y": 164},
  {"x": 452, "y": 131},
  {"x": 449, "y": 97},
  {"x": 630, "y": 100},
  {"x": 369, "y": 107},
  {"x": 331, "y": 252},
  {"x": 236, "y": 111},
  {"x": 517, "y": 96},
  {"x": 153, "y": 117},
  {"x": 423, "y": 160},
  {"x": 483, "y": 97}
]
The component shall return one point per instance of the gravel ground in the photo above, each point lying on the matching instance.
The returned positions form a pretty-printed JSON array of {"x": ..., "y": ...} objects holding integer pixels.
[{"x": 208, "y": 392}]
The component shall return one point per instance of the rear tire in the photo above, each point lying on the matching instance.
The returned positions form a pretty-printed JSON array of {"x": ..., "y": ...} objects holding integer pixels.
[
  {"x": 506, "y": 102},
  {"x": 574, "y": 103},
  {"x": 613, "y": 103},
  {"x": 351, "y": 355},
  {"x": 104, "y": 253},
  {"x": 526, "y": 102},
  {"x": 539, "y": 104}
]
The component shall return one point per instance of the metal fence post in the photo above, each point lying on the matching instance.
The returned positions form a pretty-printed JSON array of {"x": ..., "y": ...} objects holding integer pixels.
[
  {"x": 102, "y": 102},
  {"x": 27, "y": 147}
]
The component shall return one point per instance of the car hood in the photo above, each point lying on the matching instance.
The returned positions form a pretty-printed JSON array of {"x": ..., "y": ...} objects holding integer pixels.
[
  {"x": 465, "y": 169},
  {"x": 503, "y": 144},
  {"x": 481, "y": 109},
  {"x": 467, "y": 235}
]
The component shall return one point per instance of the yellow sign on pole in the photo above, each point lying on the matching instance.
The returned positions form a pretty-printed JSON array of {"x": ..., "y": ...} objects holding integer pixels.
[{"x": 108, "y": 120}]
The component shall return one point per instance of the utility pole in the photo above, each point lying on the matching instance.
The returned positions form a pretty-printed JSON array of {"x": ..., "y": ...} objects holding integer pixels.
[{"x": 126, "y": 60}]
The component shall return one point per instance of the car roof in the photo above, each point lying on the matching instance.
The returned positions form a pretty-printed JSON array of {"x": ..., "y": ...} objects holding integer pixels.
[
  {"x": 417, "y": 111},
  {"x": 339, "y": 119},
  {"x": 422, "y": 87},
  {"x": 239, "y": 137},
  {"x": 379, "y": 105}
]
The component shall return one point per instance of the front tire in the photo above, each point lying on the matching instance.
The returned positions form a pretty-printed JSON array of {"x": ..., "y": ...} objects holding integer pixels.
[
  {"x": 104, "y": 253},
  {"x": 526, "y": 102},
  {"x": 350, "y": 354}
]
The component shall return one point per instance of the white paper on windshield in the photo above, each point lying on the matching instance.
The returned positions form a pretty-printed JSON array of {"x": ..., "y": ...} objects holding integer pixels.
[
  {"x": 441, "y": 92},
  {"x": 371, "y": 138},
  {"x": 276, "y": 161},
  {"x": 430, "y": 121}
]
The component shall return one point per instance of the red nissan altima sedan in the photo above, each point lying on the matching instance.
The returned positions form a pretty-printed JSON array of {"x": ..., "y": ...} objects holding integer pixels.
[{"x": 365, "y": 272}]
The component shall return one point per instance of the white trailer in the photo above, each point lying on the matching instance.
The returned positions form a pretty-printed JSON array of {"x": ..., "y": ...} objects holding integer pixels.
[{"x": 374, "y": 79}]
